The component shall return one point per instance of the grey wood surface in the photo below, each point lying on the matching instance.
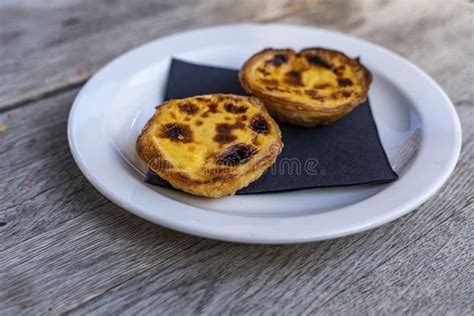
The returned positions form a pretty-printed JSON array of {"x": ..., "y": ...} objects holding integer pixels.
[{"x": 64, "y": 248}]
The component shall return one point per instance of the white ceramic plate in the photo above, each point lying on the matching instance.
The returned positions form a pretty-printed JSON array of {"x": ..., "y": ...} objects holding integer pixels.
[{"x": 417, "y": 123}]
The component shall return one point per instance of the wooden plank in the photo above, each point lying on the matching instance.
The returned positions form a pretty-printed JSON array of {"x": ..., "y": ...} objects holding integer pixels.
[
  {"x": 28, "y": 26},
  {"x": 102, "y": 251},
  {"x": 46, "y": 67},
  {"x": 434, "y": 276},
  {"x": 37, "y": 172},
  {"x": 69, "y": 249},
  {"x": 42, "y": 64},
  {"x": 436, "y": 35},
  {"x": 84, "y": 257}
]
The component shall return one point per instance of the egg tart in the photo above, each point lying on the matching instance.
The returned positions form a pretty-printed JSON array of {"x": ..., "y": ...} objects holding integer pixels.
[
  {"x": 210, "y": 145},
  {"x": 315, "y": 86}
]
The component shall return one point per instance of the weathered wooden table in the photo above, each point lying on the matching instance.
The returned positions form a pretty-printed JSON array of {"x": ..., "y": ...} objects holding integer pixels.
[{"x": 66, "y": 248}]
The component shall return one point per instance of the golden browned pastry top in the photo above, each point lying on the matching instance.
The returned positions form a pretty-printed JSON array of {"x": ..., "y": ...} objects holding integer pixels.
[
  {"x": 209, "y": 138},
  {"x": 313, "y": 79}
]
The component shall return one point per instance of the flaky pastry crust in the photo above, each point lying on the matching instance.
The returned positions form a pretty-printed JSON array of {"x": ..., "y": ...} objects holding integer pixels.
[
  {"x": 315, "y": 86},
  {"x": 210, "y": 145}
]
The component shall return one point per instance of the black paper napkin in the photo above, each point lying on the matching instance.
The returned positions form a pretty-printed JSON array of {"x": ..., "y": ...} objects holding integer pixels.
[{"x": 347, "y": 152}]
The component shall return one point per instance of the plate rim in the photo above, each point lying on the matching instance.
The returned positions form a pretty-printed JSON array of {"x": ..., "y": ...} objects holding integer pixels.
[{"x": 210, "y": 233}]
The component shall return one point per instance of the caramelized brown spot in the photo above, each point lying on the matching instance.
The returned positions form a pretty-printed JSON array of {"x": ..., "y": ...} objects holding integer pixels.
[
  {"x": 313, "y": 94},
  {"x": 173, "y": 115},
  {"x": 213, "y": 108},
  {"x": 236, "y": 155},
  {"x": 263, "y": 71},
  {"x": 239, "y": 125},
  {"x": 260, "y": 125},
  {"x": 224, "y": 132},
  {"x": 340, "y": 70},
  {"x": 243, "y": 118},
  {"x": 224, "y": 138},
  {"x": 346, "y": 94},
  {"x": 203, "y": 99},
  {"x": 236, "y": 109},
  {"x": 177, "y": 132},
  {"x": 321, "y": 86},
  {"x": 293, "y": 78},
  {"x": 344, "y": 82},
  {"x": 224, "y": 128},
  {"x": 318, "y": 61},
  {"x": 199, "y": 123},
  {"x": 188, "y": 108},
  {"x": 339, "y": 94},
  {"x": 277, "y": 60}
]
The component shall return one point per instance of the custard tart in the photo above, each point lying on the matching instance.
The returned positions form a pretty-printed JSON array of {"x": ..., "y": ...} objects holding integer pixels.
[
  {"x": 210, "y": 145},
  {"x": 315, "y": 86}
]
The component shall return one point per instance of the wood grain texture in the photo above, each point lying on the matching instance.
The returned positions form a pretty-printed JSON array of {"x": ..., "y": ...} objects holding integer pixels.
[
  {"x": 60, "y": 59},
  {"x": 432, "y": 275},
  {"x": 61, "y": 47},
  {"x": 65, "y": 248},
  {"x": 37, "y": 170},
  {"x": 436, "y": 35}
]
